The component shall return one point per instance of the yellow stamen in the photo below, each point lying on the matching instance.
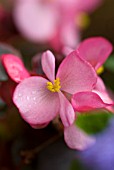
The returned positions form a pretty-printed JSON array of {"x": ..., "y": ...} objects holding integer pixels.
[
  {"x": 82, "y": 20},
  {"x": 54, "y": 87},
  {"x": 100, "y": 70}
]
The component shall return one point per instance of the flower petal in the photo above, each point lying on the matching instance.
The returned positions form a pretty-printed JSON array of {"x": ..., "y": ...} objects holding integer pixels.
[
  {"x": 95, "y": 50},
  {"x": 77, "y": 139},
  {"x": 70, "y": 35},
  {"x": 14, "y": 67},
  {"x": 100, "y": 85},
  {"x": 36, "y": 20},
  {"x": 86, "y": 101},
  {"x": 67, "y": 113},
  {"x": 104, "y": 96},
  {"x": 37, "y": 105},
  {"x": 76, "y": 74},
  {"x": 48, "y": 65}
]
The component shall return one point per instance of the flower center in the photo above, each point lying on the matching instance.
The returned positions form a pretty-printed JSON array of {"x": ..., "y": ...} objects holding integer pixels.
[
  {"x": 54, "y": 87},
  {"x": 100, "y": 70}
]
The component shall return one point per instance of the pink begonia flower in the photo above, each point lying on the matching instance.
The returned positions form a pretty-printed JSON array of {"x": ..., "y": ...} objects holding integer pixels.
[
  {"x": 40, "y": 100},
  {"x": 53, "y": 22},
  {"x": 34, "y": 95},
  {"x": 94, "y": 50}
]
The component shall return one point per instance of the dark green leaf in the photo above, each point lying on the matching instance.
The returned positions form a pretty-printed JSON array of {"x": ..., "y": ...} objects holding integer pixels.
[
  {"x": 93, "y": 123},
  {"x": 109, "y": 64},
  {"x": 3, "y": 74}
]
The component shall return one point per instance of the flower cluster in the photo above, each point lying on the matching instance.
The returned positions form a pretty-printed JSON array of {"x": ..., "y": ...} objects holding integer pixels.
[{"x": 75, "y": 87}]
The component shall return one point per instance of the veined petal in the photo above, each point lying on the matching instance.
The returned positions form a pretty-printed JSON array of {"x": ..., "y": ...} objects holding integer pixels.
[
  {"x": 48, "y": 65},
  {"x": 86, "y": 101},
  {"x": 76, "y": 74},
  {"x": 67, "y": 113},
  {"x": 95, "y": 50},
  {"x": 37, "y": 105},
  {"x": 14, "y": 67},
  {"x": 77, "y": 139}
]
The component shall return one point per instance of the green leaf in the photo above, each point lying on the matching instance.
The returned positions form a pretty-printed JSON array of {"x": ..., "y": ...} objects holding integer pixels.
[
  {"x": 3, "y": 74},
  {"x": 76, "y": 165},
  {"x": 93, "y": 122},
  {"x": 109, "y": 64}
]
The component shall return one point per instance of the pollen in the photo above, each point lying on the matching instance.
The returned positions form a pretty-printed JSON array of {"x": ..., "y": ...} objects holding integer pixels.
[
  {"x": 100, "y": 70},
  {"x": 54, "y": 87}
]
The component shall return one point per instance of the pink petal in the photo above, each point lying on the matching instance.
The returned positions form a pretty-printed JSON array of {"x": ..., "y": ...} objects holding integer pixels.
[
  {"x": 70, "y": 35},
  {"x": 76, "y": 74},
  {"x": 77, "y": 139},
  {"x": 79, "y": 5},
  {"x": 36, "y": 20},
  {"x": 67, "y": 113},
  {"x": 37, "y": 105},
  {"x": 101, "y": 90},
  {"x": 100, "y": 85},
  {"x": 95, "y": 50},
  {"x": 67, "y": 50},
  {"x": 39, "y": 126},
  {"x": 14, "y": 67},
  {"x": 104, "y": 96},
  {"x": 48, "y": 65},
  {"x": 88, "y": 5},
  {"x": 86, "y": 101}
]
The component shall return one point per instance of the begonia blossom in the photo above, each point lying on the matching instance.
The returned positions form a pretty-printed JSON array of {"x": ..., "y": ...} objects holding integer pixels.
[
  {"x": 53, "y": 22},
  {"x": 40, "y": 100},
  {"x": 94, "y": 50}
]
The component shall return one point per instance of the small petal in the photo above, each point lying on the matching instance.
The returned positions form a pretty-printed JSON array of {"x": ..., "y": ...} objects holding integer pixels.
[
  {"x": 67, "y": 113},
  {"x": 14, "y": 67},
  {"x": 104, "y": 96},
  {"x": 100, "y": 85},
  {"x": 95, "y": 50},
  {"x": 48, "y": 65},
  {"x": 37, "y": 105},
  {"x": 86, "y": 101},
  {"x": 77, "y": 139},
  {"x": 76, "y": 74}
]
